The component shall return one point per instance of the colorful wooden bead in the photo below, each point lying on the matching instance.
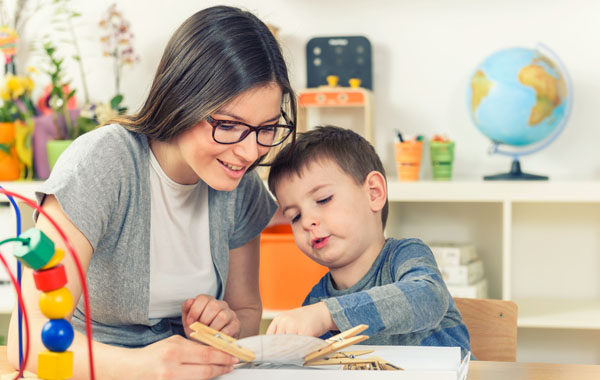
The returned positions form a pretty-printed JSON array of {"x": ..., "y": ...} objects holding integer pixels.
[
  {"x": 38, "y": 252},
  {"x": 50, "y": 279},
  {"x": 59, "y": 254},
  {"x": 57, "y": 335},
  {"x": 55, "y": 365},
  {"x": 56, "y": 304}
]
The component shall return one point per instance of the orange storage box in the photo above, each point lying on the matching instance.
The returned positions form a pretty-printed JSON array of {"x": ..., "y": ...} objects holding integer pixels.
[{"x": 286, "y": 274}]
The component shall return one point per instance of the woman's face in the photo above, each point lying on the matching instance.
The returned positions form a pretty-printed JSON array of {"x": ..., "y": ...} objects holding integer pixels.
[{"x": 222, "y": 166}]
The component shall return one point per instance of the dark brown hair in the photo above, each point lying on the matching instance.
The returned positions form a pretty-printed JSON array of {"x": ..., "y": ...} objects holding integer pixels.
[
  {"x": 214, "y": 56},
  {"x": 352, "y": 153}
]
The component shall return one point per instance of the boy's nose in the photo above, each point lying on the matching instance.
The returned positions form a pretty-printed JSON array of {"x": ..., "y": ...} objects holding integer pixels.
[{"x": 311, "y": 223}]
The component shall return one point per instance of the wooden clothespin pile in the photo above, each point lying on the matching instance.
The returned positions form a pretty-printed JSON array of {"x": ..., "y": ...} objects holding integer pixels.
[{"x": 327, "y": 355}]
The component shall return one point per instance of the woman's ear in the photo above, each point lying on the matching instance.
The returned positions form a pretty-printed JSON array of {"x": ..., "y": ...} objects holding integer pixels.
[{"x": 376, "y": 186}]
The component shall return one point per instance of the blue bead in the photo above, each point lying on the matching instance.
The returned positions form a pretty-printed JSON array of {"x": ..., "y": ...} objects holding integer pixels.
[{"x": 57, "y": 335}]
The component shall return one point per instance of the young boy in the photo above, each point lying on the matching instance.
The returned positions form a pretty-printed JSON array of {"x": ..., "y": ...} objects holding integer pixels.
[{"x": 332, "y": 188}]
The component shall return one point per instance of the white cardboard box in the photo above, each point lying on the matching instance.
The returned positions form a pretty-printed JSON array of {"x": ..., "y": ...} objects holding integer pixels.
[
  {"x": 463, "y": 274},
  {"x": 476, "y": 290},
  {"x": 453, "y": 254},
  {"x": 419, "y": 363}
]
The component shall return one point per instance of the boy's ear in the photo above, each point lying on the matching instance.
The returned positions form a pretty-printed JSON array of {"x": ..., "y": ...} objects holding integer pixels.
[{"x": 377, "y": 189}]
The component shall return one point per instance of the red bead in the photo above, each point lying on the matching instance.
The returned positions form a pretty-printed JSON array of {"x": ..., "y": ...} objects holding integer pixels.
[{"x": 50, "y": 279}]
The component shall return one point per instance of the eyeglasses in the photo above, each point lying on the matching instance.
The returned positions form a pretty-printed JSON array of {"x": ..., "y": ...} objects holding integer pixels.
[{"x": 231, "y": 132}]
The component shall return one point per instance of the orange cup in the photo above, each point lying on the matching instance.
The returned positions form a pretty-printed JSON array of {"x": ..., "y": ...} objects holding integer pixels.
[
  {"x": 408, "y": 159},
  {"x": 286, "y": 274}
]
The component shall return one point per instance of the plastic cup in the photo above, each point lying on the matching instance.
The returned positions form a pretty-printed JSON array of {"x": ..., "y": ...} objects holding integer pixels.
[
  {"x": 408, "y": 159},
  {"x": 442, "y": 157}
]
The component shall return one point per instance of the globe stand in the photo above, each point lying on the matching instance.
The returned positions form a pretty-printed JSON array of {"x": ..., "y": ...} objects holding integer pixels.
[{"x": 515, "y": 174}]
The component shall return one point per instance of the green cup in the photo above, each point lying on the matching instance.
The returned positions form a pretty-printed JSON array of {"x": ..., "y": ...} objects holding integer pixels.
[
  {"x": 442, "y": 156},
  {"x": 54, "y": 149}
]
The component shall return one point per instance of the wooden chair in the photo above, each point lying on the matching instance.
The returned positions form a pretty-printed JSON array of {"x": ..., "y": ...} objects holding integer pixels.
[{"x": 492, "y": 325}]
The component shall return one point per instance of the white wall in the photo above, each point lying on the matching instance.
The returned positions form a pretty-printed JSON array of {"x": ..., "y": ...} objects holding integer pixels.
[{"x": 423, "y": 55}]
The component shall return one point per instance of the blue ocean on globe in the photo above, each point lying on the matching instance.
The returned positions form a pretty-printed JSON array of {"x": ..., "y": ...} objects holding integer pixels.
[{"x": 517, "y": 96}]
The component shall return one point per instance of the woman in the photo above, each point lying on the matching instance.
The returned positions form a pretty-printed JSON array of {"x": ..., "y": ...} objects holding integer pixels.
[{"x": 162, "y": 207}]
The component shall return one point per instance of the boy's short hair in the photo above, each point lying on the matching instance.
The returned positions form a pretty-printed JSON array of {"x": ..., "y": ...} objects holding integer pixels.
[{"x": 352, "y": 152}]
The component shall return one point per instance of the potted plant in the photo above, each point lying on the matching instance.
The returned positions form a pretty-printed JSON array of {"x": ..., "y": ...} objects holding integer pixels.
[
  {"x": 57, "y": 104},
  {"x": 117, "y": 45},
  {"x": 16, "y": 127}
]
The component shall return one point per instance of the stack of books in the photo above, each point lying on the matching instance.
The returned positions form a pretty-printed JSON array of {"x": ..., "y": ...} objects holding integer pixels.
[{"x": 461, "y": 268}]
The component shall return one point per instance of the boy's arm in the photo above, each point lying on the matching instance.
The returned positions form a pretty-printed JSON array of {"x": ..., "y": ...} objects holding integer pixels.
[
  {"x": 311, "y": 320},
  {"x": 417, "y": 301}
]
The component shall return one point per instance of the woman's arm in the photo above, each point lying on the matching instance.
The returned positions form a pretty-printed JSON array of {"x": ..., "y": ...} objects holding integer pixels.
[
  {"x": 174, "y": 357},
  {"x": 241, "y": 291}
]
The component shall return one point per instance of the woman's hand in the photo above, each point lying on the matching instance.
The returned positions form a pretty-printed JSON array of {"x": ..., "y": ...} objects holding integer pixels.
[
  {"x": 210, "y": 312},
  {"x": 311, "y": 320},
  {"x": 179, "y": 358}
]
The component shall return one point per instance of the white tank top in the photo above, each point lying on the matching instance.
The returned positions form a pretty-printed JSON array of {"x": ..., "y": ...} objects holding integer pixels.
[{"x": 181, "y": 264}]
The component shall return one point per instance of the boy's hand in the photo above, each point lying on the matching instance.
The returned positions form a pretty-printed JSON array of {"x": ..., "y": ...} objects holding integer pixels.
[
  {"x": 311, "y": 320},
  {"x": 210, "y": 312}
]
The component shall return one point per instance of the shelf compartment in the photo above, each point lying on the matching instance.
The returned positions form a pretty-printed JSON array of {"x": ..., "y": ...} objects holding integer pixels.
[
  {"x": 459, "y": 222},
  {"x": 559, "y": 313}
]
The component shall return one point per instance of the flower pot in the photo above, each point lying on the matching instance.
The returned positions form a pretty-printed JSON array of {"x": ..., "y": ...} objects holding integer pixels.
[
  {"x": 45, "y": 129},
  {"x": 54, "y": 149},
  {"x": 9, "y": 163}
]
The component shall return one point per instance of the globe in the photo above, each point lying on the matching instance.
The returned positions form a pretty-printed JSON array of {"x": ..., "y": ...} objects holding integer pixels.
[{"x": 520, "y": 98}]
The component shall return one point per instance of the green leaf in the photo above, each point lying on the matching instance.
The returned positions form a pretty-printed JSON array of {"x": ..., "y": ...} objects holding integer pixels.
[
  {"x": 115, "y": 101},
  {"x": 86, "y": 124},
  {"x": 5, "y": 148}
]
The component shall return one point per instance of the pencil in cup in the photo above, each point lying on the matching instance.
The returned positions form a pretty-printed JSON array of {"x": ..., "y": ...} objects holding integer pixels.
[{"x": 408, "y": 159}]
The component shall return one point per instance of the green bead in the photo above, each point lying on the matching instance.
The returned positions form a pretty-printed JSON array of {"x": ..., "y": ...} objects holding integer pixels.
[{"x": 38, "y": 252}]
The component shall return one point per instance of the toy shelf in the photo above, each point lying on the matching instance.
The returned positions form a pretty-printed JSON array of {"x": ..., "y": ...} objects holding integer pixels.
[{"x": 325, "y": 97}]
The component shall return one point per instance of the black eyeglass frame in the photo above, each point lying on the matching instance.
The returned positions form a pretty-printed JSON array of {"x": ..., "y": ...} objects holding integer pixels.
[{"x": 215, "y": 123}]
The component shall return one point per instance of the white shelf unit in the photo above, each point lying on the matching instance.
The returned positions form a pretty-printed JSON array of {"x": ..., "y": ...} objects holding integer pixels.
[
  {"x": 524, "y": 231},
  {"x": 540, "y": 245}
]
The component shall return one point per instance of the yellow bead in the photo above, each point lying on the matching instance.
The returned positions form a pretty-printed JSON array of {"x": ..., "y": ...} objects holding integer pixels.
[
  {"x": 56, "y": 304},
  {"x": 55, "y": 365},
  {"x": 59, "y": 254}
]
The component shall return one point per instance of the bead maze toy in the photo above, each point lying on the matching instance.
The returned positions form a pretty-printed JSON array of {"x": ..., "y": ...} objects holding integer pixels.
[
  {"x": 338, "y": 76},
  {"x": 35, "y": 250}
]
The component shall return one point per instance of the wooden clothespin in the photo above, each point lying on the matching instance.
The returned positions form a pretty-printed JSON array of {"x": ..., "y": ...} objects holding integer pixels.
[
  {"x": 220, "y": 341},
  {"x": 350, "y": 361},
  {"x": 337, "y": 342}
]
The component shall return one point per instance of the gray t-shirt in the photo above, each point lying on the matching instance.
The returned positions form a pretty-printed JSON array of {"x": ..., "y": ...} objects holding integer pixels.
[{"x": 102, "y": 184}]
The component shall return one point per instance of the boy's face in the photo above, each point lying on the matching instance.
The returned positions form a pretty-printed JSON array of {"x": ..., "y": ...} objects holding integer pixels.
[{"x": 333, "y": 218}]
